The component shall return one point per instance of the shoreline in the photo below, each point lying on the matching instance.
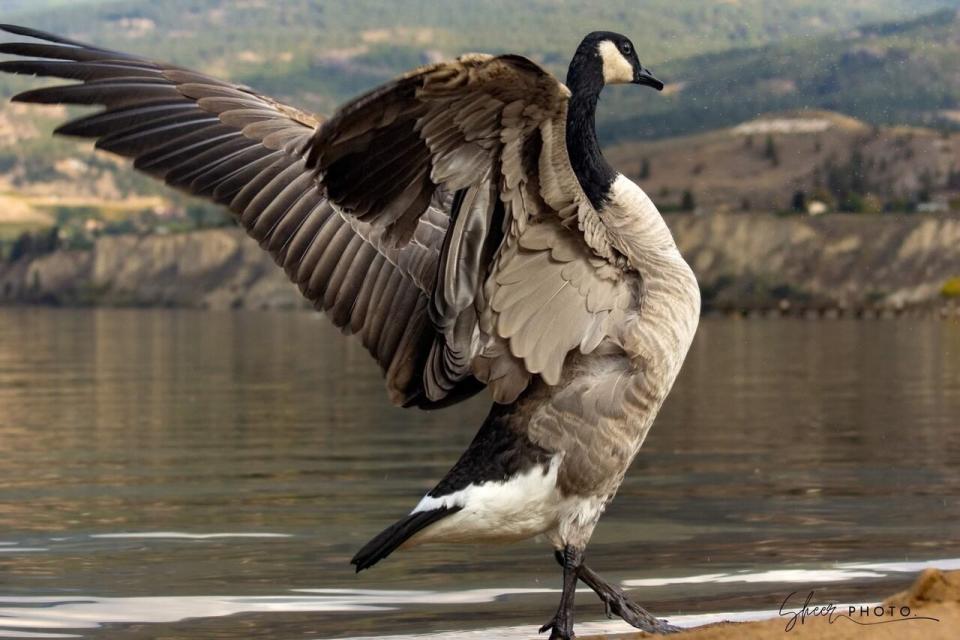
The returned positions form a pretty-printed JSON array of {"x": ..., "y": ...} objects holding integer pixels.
[
  {"x": 946, "y": 312},
  {"x": 927, "y": 610},
  {"x": 747, "y": 264}
]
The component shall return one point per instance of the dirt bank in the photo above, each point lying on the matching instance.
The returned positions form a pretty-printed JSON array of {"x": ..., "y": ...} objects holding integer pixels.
[
  {"x": 838, "y": 261},
  {"x": 750, "y": 262}
]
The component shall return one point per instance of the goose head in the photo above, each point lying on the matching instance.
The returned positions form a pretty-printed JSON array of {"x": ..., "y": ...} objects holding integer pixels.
[{"x": 603, "y": 58}]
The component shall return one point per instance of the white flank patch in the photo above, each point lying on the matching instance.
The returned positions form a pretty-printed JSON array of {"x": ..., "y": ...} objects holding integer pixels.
[
  {"x": 524, "y": 506},
  {"x": 616, "y": 68},
  {"x": 527, "y": 505}
]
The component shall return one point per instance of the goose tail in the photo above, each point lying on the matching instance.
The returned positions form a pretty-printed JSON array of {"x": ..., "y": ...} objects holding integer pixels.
[{"x": 391, "y": 538}]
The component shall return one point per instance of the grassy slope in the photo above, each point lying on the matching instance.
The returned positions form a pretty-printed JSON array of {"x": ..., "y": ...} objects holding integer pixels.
[
  {"x": 747, "y": 58},
  {"x": 752, "y": 57},
  {"x": 729, "y": 169},
  {"x": 323, "y": 52},
  {"x": 903, "y": 73}
]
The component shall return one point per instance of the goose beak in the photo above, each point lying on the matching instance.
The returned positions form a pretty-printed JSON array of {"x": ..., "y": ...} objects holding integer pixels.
[{"x": 643, "y": 76}]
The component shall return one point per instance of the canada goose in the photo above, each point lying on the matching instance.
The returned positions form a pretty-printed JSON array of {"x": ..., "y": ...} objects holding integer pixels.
[{"x": 463, "y": 222}]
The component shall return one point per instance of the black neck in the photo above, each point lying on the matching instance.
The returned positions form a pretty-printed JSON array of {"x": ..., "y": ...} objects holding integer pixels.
[{"x": 589, "y": 165}]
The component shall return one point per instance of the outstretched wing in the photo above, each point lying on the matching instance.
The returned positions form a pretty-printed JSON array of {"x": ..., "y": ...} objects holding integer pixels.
[
  {"x": 226, "y": 143},
  {"x": 437, "y": 217},
  {"x": 526, "y": 272}
]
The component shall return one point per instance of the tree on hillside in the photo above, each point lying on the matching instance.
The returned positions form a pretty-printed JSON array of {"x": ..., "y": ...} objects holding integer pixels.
[
  {"x": 205, "y": 216},
  {"x": 770, "y": 151},
  {"x": 687, "y": 202},
  {"x": 849, "y": 183},
  {"x": 953, "y": 180},
  {"x": 927, "y": 184},
  {"x": 22, "y": 247},
  {"x": 799, "y": 202},
  {"x": 857, "y": 170},
  {"x": 645, "y": 169},
  {"x": 34, "y": 244},
  {"x": 837, "y": 179}
]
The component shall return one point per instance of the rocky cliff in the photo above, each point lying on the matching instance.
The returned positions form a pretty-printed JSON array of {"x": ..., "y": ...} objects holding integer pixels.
[
  {"x": 215, "y": 269},
  {"x": 742, "y": 262},
  {"x": 838, "y": 261}
]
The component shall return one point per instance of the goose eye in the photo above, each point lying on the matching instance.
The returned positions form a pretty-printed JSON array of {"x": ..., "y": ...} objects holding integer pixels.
[{"x": 626, "y": 48}]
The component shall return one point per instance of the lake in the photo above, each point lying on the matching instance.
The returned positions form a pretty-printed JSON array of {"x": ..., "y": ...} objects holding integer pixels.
[{"x": 184, "y": 474}]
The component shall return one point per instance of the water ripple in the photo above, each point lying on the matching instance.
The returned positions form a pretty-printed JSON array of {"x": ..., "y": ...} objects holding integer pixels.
[
  {"x": 838, "y": 573},
  {"x": 43, "y": 616},
  {"x": 23, "y": 613},
  {"x": 188, "y": 536}
]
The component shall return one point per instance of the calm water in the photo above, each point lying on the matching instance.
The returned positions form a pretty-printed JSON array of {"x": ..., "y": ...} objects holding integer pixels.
[{"x": 170, "y": 474}]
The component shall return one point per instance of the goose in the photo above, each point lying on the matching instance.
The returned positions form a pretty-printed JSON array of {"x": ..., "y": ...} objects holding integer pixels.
[{"x": 462, "y": 221}]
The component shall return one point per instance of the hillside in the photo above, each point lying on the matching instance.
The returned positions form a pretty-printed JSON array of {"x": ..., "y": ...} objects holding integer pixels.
[
  {"x": 749, "y": 57},
  {"x": 18, "y": 7},
  {"x": 763, "y": 163},
  {"x": 239, "y": 37},
  {"x": 894, "y": 73},
  {"x": 320, "y": 53},
  {"x": 879, "y": 264}
]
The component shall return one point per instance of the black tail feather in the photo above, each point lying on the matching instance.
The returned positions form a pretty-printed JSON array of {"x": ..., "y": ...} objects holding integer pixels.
[{"x": 387, "y": 541}]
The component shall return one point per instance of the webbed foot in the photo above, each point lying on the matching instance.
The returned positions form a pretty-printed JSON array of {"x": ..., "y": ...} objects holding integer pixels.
[
  {"x": 560, "y": 627},
  {"x": 616, "y": 602}
]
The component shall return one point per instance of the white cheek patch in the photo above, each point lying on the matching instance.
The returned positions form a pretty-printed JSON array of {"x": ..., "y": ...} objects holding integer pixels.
[{"x": 616, "y": 68}]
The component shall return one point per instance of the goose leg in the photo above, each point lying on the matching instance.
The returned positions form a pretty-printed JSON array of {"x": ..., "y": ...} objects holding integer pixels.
[
  {"x": 616, "y": 602},
  {"x": 561, "y": 625}
]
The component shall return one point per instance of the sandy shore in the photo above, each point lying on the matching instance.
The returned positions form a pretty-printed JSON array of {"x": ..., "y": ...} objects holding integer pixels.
[{"x": 928, "y": 610}]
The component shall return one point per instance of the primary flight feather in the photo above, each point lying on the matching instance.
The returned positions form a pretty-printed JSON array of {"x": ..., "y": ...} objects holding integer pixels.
[{"x": 462, "y": 221}]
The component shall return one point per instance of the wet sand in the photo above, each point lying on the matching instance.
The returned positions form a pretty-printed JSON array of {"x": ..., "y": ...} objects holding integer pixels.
[{"x": 934, "y": 613}]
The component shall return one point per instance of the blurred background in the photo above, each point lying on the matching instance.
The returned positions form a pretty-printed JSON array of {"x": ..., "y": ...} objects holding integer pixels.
[
  {"x": 186, "y": 453},
  {"x": 786, "y": 112}
]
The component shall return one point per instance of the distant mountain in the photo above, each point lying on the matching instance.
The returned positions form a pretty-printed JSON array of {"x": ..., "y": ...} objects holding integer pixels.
[
  {"x": 322, "y": 52},
  {"x": 893, "y": 73},
  {"x": 725, "y": 62},
  {"x": 10, "y": 8}
]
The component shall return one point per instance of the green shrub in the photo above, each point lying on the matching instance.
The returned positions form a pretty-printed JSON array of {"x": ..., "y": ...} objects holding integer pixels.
[
  {"x": 875, "y": 296},
  {"x": 951, "y": 288}
]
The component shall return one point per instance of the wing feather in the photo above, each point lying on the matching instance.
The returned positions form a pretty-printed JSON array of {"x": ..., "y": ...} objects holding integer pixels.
[
  {"x": 436, "y": 216},
  {"x": 519, "y": 287},
  {"x": 243, "y": 150}
]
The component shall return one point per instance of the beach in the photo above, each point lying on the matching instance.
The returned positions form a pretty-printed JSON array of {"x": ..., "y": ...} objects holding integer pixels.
[{"x": 929, "y": 609}]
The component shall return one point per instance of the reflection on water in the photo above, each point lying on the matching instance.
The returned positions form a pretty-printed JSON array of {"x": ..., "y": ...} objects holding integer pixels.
[
  {"x": 206, "y": 475},
  {"x": 56, "y": 615},
  {"x": 74, "y": 613}
]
